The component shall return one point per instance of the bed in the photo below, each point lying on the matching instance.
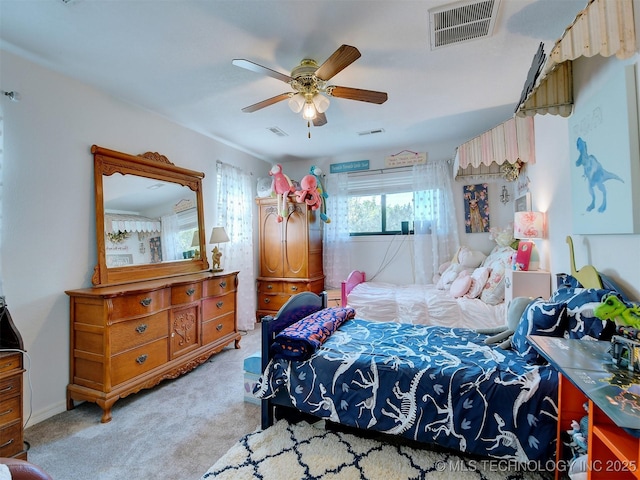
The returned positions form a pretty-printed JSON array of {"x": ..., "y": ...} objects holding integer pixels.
[
  {"x": 430, "y": 384},
  {"x": 468, "y": 293}
]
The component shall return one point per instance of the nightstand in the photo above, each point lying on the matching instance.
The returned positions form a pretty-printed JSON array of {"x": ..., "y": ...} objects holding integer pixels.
[{"x": 533, "y": 283}]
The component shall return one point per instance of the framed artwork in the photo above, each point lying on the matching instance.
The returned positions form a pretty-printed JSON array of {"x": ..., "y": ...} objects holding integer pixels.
[
  {"x": 522, "y": 203},
  {"x": 476, "y": 208},
  {"x": 155, "y": 246},
  {"x": 604, "y": 153}
]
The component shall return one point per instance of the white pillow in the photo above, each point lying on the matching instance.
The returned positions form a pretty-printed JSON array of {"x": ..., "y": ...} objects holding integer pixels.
[
  {"x": 478, "y": 280},
  {"x": 470, "y": 258},
  {"x": 449, "y": 275},
  {"x": 461, "y": 284}
]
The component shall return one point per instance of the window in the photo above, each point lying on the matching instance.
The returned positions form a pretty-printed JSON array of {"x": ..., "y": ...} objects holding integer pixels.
[{"x": 188, "y": 225}]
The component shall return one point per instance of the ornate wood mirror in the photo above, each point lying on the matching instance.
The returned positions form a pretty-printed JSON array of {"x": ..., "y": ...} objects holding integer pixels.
[{"x": 149, "y": 218}]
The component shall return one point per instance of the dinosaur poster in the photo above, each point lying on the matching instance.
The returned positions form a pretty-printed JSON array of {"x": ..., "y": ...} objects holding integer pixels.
[{"x": 604, "y": 156}]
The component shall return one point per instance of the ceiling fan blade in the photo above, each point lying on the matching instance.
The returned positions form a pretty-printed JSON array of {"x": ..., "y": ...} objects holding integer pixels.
[
  {"x": 254, "y": 67},
  {"x": 370, "y": 96},
  {"x": 266, "y": 103},
  {"x": 320, "y": 120},
  {"x": 338, "y": 61}
]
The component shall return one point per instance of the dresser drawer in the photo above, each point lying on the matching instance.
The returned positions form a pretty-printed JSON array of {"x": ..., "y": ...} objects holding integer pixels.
[
  {"x": 133, "y": 333},
  {"x": 128, "y": 365},
  {"x": 216, "y": 306},
  {"x": 293, "y": 288},
  {"x": 219, "y": 285},
  {"x": 272, "y": 301},
  {"x": 10, "y": 386},
  {"x": 10, "y": 411},
  {"x": 186, "y": 293},
  {"x": 140, "y": 304},
  {"x": 10, "y": 361},
  {"x": 11, "y": 440},
  {"x": 270, "y": 287},
  {"x": 218, "y": 328}
]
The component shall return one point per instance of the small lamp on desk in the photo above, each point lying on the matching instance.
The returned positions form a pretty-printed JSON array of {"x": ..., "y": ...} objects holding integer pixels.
[
  {"x": 195, "y": 242},
  {"x": 218, "y": 236},
  {"x": 528, "y": 226}
]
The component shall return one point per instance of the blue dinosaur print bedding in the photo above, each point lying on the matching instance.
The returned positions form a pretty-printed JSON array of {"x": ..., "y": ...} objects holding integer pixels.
[{"x": 432, "y": 384}]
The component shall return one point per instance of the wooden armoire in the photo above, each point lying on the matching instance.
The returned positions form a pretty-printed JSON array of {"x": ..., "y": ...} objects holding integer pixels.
[{"x": 290, "y": 253}]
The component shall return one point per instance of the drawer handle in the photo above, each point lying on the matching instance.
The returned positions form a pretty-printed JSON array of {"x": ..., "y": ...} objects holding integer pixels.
[
  {"x": 7, "y": 412},
  {"x": 223, "y": 284},
  {"x": 145, "y": 302},
  {"x": 6, "y": 365},
  {"x": 266, "y": 300},
  {"x": 219, "y": 327},
  {"x": 141, "y": 328},
  {"x": 269, "y": 287},
  {"x": 7, "y": 389},
  {"x": 294, "y": 288},
  {"x": 220, "y": 304},
  {"x": 191, "y": 291},
  {"x": 141, "y": 359},
  {"x": 6, "y": 444}
]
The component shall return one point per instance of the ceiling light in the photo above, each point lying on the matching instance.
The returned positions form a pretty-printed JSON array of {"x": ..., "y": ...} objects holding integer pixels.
[
  {"x": 309, "y": 111},
  {"x": 296, "y": 102},
  {"x": 321, "y": 102}
]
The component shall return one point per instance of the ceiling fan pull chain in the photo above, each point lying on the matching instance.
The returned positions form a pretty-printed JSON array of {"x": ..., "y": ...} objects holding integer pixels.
[{"x": 309, "y": 127}]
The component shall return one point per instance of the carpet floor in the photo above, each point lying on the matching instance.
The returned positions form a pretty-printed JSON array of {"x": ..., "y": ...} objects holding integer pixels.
[{"x": 304, "y": 451}]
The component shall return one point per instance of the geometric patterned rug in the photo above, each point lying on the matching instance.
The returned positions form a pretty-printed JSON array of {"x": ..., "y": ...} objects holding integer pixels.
[{"x": 303, "y": 451}]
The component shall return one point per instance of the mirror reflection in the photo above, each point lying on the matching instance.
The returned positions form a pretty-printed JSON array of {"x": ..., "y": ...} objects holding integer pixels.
[{"x": 148, "y": 221}]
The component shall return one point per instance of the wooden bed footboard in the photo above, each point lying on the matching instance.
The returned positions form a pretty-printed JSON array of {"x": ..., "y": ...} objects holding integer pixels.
[
  {"x": 356, "y": 277},
  {"x": 296, "y": 308}
]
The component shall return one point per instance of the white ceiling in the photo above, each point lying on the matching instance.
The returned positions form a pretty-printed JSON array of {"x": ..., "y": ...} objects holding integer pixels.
[{"x": 174, "y": 57}]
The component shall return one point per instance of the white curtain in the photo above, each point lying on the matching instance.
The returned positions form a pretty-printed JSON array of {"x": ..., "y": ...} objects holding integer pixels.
[
  {"x": 336, "y": 233},
  {"x": 235, "y": 213},
  {"x": 436, "y": 230},
  {"x": 169, "y": 238},
  {"x": 1, "y": 187}
]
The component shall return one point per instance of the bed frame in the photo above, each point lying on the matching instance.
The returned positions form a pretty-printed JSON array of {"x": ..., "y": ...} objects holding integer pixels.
[
  {"x": 296, "y": 308},
  {"x": 347, "y": 285}
]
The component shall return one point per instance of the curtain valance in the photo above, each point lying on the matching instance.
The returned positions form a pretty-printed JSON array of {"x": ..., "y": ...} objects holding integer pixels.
[{"x": 116, "y": 222}]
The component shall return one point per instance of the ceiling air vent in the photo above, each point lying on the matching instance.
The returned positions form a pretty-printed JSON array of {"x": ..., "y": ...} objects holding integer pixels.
[
  {"x": 277, "y": 131},
  {"x": 462, "y": 22},
  {"x": 371, "y": 132}
]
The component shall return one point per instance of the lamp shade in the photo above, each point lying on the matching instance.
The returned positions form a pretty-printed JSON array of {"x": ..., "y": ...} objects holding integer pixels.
[
  {"x": 296, "y": 103},
  {"x": 218, "y": 235},
  {"x": 195, "y": 241},
  {"x": 528, "y": 225}
]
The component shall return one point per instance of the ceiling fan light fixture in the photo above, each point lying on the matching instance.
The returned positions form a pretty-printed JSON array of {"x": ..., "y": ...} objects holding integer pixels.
[
  {"x": 309, "y": 111},
  {"x": 296, "y": 102},
  {"x": 321, "y": 103}
]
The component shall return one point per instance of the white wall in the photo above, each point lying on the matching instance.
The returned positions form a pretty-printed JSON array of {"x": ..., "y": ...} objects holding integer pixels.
[{"x": 48, "y": 221}]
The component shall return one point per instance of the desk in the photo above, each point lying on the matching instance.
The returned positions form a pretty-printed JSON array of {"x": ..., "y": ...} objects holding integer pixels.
[{"x": 588, "y": 374}]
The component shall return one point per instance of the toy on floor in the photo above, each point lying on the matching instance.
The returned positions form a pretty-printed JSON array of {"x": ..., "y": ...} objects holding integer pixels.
[
  {"x": 579, "y": 434},
  {"x": 282, "y": 186},
  {"x": 317, "y": 173},
  {"x": 309, "y": 193}
]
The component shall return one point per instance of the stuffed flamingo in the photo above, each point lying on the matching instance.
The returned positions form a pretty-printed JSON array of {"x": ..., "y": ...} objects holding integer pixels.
[{"x": 282, "y": 186}]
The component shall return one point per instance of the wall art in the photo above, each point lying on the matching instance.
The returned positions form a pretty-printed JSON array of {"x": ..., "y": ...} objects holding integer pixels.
[{"x": 476, "y": 208}]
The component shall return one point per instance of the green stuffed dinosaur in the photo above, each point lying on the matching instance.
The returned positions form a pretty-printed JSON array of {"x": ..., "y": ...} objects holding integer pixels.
[{"x": 612, "y": 308}]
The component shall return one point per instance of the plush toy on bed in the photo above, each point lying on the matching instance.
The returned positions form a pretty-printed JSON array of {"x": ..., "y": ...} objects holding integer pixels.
[
  {"x": 502, "y": 335},
  {"x": 613, "y": 308},
  {"x": 282, "y": 186}
]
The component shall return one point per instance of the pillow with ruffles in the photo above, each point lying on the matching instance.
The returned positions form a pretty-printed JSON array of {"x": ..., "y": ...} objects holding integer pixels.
[
  {"x": 582, "y": 321},
  {"x": 461, "y": 284},
  {"x": 479, "y": 279},
  {"x": 540, "y": 317},
  {"x": 449, "y": 275}
]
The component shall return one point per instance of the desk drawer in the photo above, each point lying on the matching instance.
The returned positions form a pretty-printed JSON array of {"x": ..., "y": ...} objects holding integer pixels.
[
  {"x": 140, "y": 360},
  {"x": 11, "y": 440},
  {"x": 218, "y": 328},
  {"x": 140, "y": 304},
  {"x": 216, "y": 306},
  {"x": 133, "y": 333},
  {"x": 10, "y": 361},
  {"x": 10, "y": 411},
  {"x": 10, "y": 387},
  {"x": 186, "y": 293}
]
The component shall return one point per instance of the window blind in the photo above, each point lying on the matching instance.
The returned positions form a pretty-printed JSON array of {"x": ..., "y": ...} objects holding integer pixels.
[{"x": 377, "y": 182}]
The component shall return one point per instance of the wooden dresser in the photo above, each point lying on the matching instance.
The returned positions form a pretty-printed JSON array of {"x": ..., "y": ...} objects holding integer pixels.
[
  {"x": 11, "y": 417},
  {"x": 128, "y": 337},
  {"x": 290, "y": 254}
]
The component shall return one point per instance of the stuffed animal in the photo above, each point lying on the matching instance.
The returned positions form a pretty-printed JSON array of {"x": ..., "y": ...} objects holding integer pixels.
[
  {"x": 579, "y": 433},
  {"x": 317, "y": 173},
  {"x": 614, "y": 309},
  {"x": 308, "y": 192},
  {"x": 282, "y": 186},
  {"x": 502, "y": 335}
]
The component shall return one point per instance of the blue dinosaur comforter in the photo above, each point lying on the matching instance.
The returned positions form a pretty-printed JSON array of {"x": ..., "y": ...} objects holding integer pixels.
[{"x": 432, "y": 384}]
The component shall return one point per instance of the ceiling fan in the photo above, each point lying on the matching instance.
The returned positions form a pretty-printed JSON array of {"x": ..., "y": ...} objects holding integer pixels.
[{"x": 309, "y": 83}]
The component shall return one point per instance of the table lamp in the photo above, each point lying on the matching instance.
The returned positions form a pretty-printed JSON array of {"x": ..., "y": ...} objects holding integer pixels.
[
  {"x": 218, "y": 236},
  {"x": 195, "y": 242},
  {"x": 528, "y": 226}
]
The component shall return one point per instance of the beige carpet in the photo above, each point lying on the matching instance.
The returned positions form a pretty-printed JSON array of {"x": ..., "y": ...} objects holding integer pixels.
[
  {"x": 174, "y": 431},
  {"x": 303, "y": 451}
]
